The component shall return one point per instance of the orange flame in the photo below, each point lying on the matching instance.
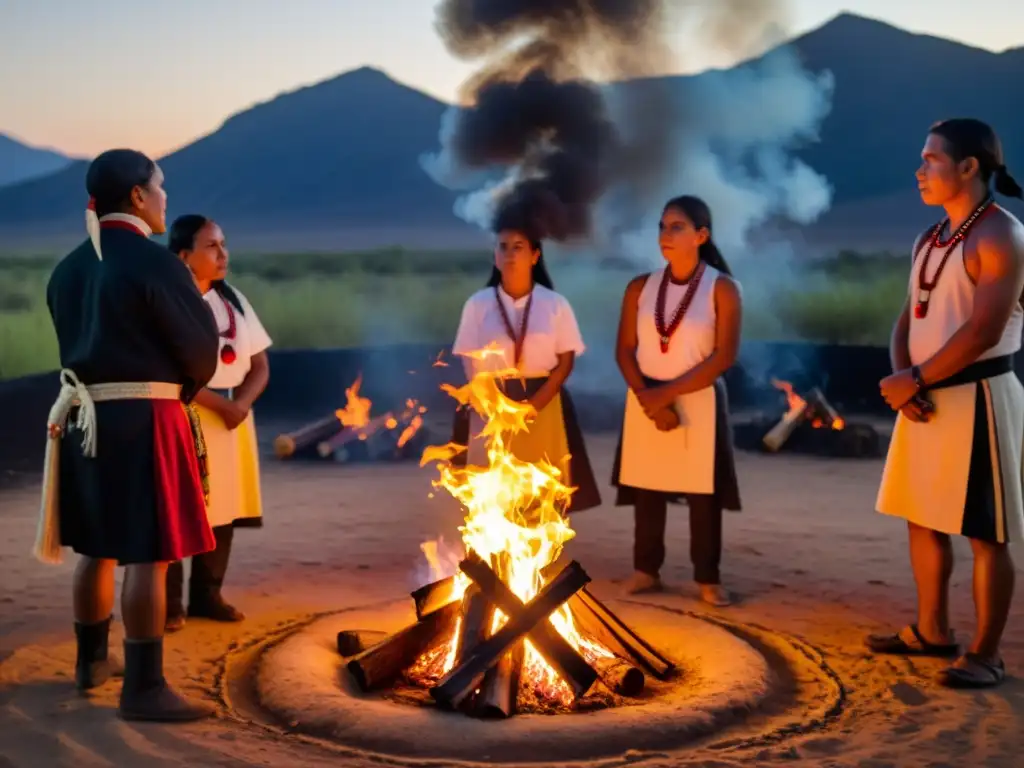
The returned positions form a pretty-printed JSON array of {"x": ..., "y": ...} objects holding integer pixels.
[
  {"x": 513, "y": 510},
  {"x": 356, "y": 412}
]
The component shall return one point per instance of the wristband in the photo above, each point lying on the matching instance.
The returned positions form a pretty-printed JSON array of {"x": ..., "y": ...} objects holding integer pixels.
[{"x": 915, "y": 372}]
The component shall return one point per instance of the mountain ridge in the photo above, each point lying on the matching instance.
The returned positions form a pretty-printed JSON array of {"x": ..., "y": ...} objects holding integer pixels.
[{"x": 344, "y": 152}]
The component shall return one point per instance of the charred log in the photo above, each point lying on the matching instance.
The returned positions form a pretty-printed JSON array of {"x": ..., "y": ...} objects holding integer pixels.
[
  {"x": 466, "y": 677},
  {"x": 431, "y": 597},
  {"x": 597, "y": 620},
  {"x": 500, "y": 687},
  {"x": 620, "y": 677},
  {"x": 306, "y": 437},
  {"x": 379, "y": 666}
]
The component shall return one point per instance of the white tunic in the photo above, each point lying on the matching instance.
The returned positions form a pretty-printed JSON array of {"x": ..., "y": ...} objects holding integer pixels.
[
  {"x": 233, "y": 455},
  {"x": 251, "y": 338},
  {"x": 682, "y": 460},
  {"x": 551, "y": 331}
]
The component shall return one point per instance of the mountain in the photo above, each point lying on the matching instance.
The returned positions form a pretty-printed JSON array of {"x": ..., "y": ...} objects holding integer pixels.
[
  {"x": 19, "y": 161},
  {"x": 343, "y": 154}
]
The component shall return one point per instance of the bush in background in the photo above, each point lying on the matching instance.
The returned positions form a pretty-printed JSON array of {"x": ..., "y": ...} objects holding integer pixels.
[{"x": 396, "y": 295}]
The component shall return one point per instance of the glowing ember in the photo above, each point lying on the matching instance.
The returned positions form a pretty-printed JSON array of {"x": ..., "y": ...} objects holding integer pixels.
[{"x": 513, "y": 520}]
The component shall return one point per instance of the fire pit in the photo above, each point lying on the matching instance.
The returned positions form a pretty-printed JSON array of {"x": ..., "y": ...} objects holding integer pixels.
[
  {"x": 810, "y": 425},
  {"x": 353, "y": 435},
  {"x": 510, "y": 630}
]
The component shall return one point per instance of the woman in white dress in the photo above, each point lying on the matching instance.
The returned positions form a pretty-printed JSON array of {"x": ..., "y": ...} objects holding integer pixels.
[
  {"x": 679, "y": 332},
  {"x": 225, "y": 412},
  {"x": 536, "y": 331}
]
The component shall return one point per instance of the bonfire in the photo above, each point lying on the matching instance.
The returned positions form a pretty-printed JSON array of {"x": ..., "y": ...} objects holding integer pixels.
[{"x": 510, "y": 625}]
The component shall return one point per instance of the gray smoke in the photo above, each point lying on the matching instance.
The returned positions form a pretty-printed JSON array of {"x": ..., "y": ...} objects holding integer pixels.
[{"x": 594, "y": 163}]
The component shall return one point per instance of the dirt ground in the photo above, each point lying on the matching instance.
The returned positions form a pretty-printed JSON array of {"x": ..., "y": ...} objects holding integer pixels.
[{"x": 808, "y": 557}]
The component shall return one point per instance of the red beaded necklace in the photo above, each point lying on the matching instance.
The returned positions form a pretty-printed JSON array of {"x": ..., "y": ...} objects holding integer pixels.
[
  {"x": 517, "y": 341},
  {"x": 665, "y": 332},
  {"x": 925, "y": 286},
  {"x": 227, "y": 352}
]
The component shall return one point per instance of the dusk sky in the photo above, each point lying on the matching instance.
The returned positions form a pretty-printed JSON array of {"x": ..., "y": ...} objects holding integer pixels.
[{"x": 86, "y": 76}]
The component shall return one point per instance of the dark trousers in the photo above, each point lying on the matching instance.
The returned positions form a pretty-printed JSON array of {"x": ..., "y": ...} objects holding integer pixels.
[
  {"x": 651, "y": 512},
  {"x": 207, "y": 575}
]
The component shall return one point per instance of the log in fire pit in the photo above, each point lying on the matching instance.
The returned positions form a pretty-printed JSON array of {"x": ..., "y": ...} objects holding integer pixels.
[
  {"x": 510, "y": 630},
  {"x": 810, "y": 425},
  {"x": 563, "y": 649},
  {"x": 351, "y": 434}
]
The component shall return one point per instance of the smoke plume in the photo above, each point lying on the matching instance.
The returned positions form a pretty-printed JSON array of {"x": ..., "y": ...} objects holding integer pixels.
[{"x": 537, "y": 140}]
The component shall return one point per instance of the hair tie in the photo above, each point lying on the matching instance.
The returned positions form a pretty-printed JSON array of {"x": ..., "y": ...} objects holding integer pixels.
[{"x": 92, "y": 226}]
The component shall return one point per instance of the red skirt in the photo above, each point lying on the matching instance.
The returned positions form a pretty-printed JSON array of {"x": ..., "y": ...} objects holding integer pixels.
[{"x": 181, "y": 501}]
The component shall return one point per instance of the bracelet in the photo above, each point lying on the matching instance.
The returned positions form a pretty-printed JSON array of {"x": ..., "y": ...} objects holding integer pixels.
[{"x": 915, "y": 372}]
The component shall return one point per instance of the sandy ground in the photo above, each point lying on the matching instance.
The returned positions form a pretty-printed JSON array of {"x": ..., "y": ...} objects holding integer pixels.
[{"x": 808, "y": 556}]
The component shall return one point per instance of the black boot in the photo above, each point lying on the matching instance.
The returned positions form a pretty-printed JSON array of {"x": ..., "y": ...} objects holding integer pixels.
[
  {"x": 204, "y": 585},
  {"x": 93, "y": 667},
  {"x": 146, "y": 695}
]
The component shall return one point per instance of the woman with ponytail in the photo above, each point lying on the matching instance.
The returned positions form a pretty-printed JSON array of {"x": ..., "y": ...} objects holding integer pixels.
[
  {"x": 679, "y": 332},
  {"x": 224, "y": 406},
  {"x": 954, "y": 462},
  {"x": 535, "y": 329}
]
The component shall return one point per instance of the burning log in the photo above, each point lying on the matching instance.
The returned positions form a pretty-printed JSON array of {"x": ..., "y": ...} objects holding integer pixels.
[
  {"x": 814, "y": 409},
  {"x": 380, "y": 666},
  {"x": 352, "y": 642},
  {"x": 458, "y": 684},
  {"x": 346, "y": 435},
  {"x": 500, "y": 688},
  {"x": 432, "y": 596},
  {"x": 477, "y": 615},
  {"x": 780, "y": 433},
  {"x": 597, "y": 620},
  {"x": 620, "y": 676},
  {"x": 306, "y": 437}
]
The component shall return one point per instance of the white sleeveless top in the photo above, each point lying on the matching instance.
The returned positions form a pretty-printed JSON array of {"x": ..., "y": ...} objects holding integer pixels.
[
  {"x": 949, "y": 306},
  {"x": 694, "y": 339}
]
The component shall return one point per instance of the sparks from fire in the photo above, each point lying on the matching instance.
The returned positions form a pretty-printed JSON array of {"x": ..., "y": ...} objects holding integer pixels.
[{"x": 513, "y": 517}]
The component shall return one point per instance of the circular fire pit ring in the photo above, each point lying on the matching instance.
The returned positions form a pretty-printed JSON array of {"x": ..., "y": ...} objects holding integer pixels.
[{"x": 737, "y": 685}]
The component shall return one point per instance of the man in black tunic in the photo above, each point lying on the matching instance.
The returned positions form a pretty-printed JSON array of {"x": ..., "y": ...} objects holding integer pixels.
[{"x": 123, "y": 483}]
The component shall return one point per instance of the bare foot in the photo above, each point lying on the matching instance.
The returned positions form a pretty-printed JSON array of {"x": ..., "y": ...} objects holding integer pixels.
[
  {"x": 715, "y": 594},
  {"x": 641, "y": 583}
]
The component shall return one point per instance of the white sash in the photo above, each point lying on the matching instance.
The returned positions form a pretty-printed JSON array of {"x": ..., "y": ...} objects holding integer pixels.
[{"x": 73, "y": 393}]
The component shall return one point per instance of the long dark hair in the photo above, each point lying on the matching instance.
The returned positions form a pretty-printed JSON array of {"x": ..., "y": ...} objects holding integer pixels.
[
  {"x": 182, "y": 237},
  {"x": 966, "y": 137},
  {"x": 539, "y": 273},
  {"x": 113, "y": 175},
  {"x": 697, "y": 211}
]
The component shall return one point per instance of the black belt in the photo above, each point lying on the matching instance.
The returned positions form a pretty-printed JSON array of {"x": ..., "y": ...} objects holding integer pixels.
[
  {"x": 222, "y": 392},
  {"x": 983, "y": 369}
]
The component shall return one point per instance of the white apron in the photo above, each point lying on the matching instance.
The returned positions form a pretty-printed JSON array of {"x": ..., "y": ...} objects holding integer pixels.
[{"x": 961, "y": 472}]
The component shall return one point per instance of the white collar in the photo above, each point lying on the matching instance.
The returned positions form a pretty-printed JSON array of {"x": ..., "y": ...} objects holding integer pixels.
[
  {"x": 127, "y": 218},
  {"x": 517, "y": 303}
]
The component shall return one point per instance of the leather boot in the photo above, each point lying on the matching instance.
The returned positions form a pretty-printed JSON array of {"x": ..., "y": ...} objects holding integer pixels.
[
  {"x": 204, "y": 587},
  {"x": 146, "y": 695},
  {"x": 93, "y": 666}
]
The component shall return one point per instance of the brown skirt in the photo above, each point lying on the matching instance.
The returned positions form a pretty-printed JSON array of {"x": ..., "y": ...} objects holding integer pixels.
[
  {"x": 581, "y": 474},
  {"x": 727, "y": 488}
]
